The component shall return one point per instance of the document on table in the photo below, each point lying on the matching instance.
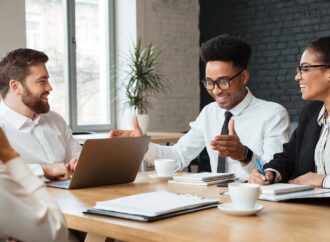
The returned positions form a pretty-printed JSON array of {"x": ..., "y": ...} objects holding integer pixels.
[
  {"x": 152, "y": 206},
  {"x": 283, "y": 188},
  {"x": 314, "y": 193}
]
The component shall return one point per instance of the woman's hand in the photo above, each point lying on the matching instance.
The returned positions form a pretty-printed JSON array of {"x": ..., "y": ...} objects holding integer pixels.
[{"x": 310, "y": 178}]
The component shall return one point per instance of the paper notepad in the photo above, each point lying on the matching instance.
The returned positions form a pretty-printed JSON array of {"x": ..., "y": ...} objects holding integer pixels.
[
  {"x": 146, "y": 206},
  {"x": 283, "y": 188},
  {"x": 204, "y": 178}
]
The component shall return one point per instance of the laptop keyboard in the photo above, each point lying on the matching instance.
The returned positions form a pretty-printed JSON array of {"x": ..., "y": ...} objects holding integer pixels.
[{"x": 63, "y": 184}]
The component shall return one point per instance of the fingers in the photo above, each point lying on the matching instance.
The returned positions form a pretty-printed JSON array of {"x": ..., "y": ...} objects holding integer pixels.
[
  {"x": 270, "y": 176},
  {"x": 257, "y": 177},
  {"x": 115, "y": 133},
  {"x": 136, "y": 126},
  {"x": 71, "y": 166},
  {"x": 231, "y": 128}
]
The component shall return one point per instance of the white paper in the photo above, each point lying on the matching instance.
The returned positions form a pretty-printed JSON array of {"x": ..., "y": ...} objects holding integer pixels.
[
  {"x": 203, "y": 176},
  {"x": 152, "y": 203},
  {"x": 283, "y": 188},
  {"x": 303, "y": 194}
]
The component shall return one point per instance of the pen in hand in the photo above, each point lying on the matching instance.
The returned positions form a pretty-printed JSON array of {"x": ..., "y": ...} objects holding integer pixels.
[{"x": 260, "y": 168}]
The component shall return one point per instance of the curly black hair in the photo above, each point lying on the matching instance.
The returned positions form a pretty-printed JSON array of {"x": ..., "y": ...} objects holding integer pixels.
[
  {"x": 226, "y": 47},
  {"x": 321, "y": 46}
]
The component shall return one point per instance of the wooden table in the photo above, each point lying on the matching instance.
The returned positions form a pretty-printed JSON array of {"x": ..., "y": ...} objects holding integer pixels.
[
  {"x": 277, "y": 222},
  {"x": 156, "y": 137}
]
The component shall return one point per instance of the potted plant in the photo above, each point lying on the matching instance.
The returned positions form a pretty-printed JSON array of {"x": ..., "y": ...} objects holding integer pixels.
[{"x": 144, "y": 80}]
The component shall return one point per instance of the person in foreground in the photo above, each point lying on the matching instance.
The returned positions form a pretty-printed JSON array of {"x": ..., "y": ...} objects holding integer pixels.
[
  {"x": 306, "y": 157},
  {"x": 39, "y": 135},
  {"x": 28, "y": 213},
  {"x": 260, "y": 127}
]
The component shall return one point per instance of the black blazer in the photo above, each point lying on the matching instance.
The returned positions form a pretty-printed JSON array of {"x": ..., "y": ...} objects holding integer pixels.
[{"x": 297, "y": 157}]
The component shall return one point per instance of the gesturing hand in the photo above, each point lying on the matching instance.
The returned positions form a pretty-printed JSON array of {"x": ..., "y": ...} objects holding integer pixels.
[
  {"x": 229, "y": 145},
  {"x": 137, "y": 132}
]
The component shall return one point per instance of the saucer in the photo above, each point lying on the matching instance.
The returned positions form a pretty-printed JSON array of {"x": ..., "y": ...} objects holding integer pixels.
[
  {"x": 156, "y": 176},
  {"x": 229, "y": 208}
]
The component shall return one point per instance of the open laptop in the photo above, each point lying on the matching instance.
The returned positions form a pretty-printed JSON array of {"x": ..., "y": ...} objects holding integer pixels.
[{"x": 106, "y": 162}]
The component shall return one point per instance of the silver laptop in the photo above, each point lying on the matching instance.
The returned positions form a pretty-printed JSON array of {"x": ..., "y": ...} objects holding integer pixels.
[{"x": 106, "y": 162}]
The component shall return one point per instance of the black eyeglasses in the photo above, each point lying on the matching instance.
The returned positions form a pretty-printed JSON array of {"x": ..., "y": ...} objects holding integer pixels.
[
  {"x": 222, "y": 83},
  {"x": 304, "y": 68}
]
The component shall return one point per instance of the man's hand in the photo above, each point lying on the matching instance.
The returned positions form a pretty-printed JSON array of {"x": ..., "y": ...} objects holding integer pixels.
[
  {"x": 310, "y": 178},
  {"x": 257, "y": 177},
  {"x": 7, "y": 152},
  {"x": 137, "y": 132},
  {"x": 56, "y": 171},
  {"x": 229, "y": 145},
  {"x": 71, "y": 166}
]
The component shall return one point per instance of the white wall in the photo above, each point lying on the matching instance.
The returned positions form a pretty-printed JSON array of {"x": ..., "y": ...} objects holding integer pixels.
[
  {"x": 173, "y": 27},
  {"x": 12, "y": 25},
  {"x": 125, "y": 37}
]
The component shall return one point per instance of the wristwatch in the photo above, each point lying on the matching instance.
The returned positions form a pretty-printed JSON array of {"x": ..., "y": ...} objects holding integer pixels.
[{"x": 247, "y": 155}]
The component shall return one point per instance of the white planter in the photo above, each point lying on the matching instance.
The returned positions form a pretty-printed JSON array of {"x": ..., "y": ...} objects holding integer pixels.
[{"x": 143, "y": 120}]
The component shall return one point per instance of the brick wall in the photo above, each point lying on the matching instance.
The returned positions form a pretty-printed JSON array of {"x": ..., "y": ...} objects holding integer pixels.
[
  {"x": 278, "y": 31},
  {"x": 173, "y": 26}
]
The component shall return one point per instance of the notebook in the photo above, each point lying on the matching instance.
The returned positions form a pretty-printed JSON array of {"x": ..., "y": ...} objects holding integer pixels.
[
  {"x": 203, "y": 178},
  {"x": 317, "y": 193},
  {"x": 282, "y": 188},
  {"x": 151, "y": 206},
  {"x": 106, "y": 162}
]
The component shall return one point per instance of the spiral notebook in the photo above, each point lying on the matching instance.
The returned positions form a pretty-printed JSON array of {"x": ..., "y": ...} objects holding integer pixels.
[{"x": 152, "y": 206}]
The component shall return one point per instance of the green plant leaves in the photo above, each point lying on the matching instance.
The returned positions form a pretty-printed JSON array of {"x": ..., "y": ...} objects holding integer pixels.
[{"x": 144, "y": 78}]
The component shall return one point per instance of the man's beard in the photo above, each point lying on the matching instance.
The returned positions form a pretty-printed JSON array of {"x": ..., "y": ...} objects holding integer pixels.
[{"x": 34, "y": 103}]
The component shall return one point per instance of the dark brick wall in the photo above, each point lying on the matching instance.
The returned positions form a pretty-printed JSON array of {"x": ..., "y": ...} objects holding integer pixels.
[{"x": 278, "y": 31}]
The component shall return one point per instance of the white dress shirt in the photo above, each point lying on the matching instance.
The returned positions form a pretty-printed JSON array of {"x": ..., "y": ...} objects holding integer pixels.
[
  {"x": 322, "y": 149},
  {"x": 261, "y": 125},
  {"x": 46, "y": 139},
  {"x": 27, "y": 212}
]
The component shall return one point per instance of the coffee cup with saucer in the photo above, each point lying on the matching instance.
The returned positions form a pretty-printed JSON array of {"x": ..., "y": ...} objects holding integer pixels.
[
  {"x": 165, "y": 169},
  {"x": 244, "y": 197}
]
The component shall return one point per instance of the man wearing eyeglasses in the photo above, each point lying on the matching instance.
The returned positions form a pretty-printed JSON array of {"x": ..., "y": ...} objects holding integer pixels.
[{"x": 237, "y": 128}]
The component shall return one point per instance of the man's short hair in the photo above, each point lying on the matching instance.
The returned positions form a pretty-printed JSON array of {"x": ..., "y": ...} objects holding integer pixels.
[
  {"x": 15, "y": 66},
  {"x": 226, "y": 47},
  {"x": 321, "y": 46}
]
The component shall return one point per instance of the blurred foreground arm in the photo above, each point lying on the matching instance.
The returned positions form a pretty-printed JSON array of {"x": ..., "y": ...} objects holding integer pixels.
[{"x": 28, "y": 213}]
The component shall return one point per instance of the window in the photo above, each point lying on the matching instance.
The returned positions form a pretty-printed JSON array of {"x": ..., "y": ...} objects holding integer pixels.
[{"x": 77, "y": 37}]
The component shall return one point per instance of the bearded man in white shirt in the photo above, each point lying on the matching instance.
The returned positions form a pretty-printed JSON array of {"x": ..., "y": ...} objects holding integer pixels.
[
  {"x": 38, "y": 134},
  {"x": 257, "y": 128}
]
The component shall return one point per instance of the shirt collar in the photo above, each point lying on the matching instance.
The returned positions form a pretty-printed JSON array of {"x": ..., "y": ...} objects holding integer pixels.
[
  {"x": 322, "y": 118},
  {"x": 16, "y": 119},
  {"x": 243, "y": 104}
]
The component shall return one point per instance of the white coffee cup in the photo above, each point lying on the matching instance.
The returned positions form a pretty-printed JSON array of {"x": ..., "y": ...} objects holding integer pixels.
[
  {"x": 244, "y": 195},
  {"x": 166, "y": 167}
]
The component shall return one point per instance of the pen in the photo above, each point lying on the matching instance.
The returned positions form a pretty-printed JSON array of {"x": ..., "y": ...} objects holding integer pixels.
[{"x": 260, "y": 167}]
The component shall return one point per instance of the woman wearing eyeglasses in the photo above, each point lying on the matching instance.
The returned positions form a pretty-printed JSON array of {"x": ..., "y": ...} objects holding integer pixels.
[{"x": 306, "y": 157}]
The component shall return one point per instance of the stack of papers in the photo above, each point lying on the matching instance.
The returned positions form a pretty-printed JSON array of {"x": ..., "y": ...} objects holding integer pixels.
[
  {"x": 283, "y": 191},
  {"x": 152, "y": 206},
  {"x": 203, "y": 178},
  {"x": 283, "y": 188}
]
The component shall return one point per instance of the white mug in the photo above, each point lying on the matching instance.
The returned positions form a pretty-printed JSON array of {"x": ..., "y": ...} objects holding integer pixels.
[
  {"x": 166, "y": 167},
  {"x": 244, "y": 195}
]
